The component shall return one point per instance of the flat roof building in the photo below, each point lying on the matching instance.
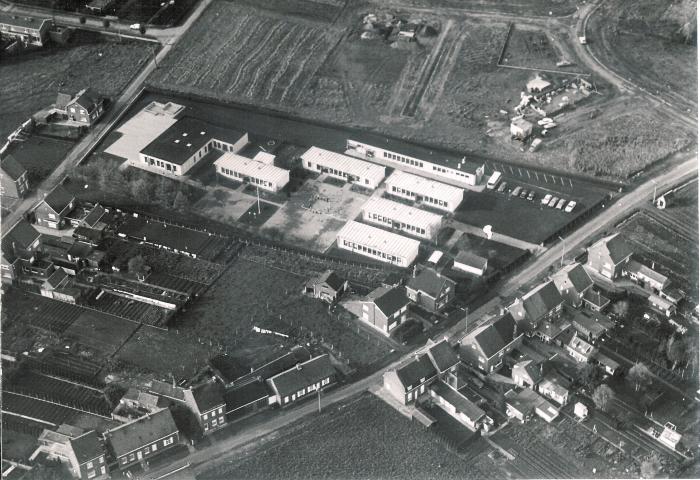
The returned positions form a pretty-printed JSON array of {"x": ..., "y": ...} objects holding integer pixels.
[
  {"x": 411, "y": 220},
  {"x": 421, "y": 190},
  {"x": 246, "y": 170},
  {"x": 420, "y": 160},
  {"x": 378, "y": 244},
  {"x": 341, "y": 166}
]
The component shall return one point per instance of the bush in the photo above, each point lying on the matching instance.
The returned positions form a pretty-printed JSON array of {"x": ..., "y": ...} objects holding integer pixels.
[
  {"x": 82, "y": 20},
  {"x": 142, "y": 29},
  {"x": 105, "y": 23}
]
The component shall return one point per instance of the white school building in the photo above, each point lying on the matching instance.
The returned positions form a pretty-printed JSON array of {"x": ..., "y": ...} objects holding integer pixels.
[
  {"x": 246, "y": 170},
  {"x": 343, "y": 167},
  {"x": 421, "y": 190},
  {"x": 419, "y": 160},
  {"x": 411, "y": 220},
  {"x": 377, "y": 243}
]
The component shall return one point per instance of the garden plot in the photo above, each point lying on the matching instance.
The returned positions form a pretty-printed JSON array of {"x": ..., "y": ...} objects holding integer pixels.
[
  {"x": 104, "y": 334},
  {"x": 39, "y": 312},
  {"x": 314, "y": 214}
]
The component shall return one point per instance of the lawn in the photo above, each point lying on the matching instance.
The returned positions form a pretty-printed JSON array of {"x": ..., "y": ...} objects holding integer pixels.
[
  {"x": 30, "y": 82},
  {"x": 258, "y": 214},
  {"x": 39, "y": 155},
  {"x": 363, "y": 438}
]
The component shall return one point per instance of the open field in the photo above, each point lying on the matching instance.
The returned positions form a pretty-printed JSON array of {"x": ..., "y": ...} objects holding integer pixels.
[
  {"x": 523, "y": 7},
  {"x": 322, "y": 10},
  {"x": 103, "y": 333},
  {"x": 31, "y": 82},
  {"x": 531, "y": 49},
  {"x": 364, "y": 438}
]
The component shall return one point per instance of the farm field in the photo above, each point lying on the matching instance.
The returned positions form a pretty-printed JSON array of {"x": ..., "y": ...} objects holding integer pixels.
[
  {"x": 324, "y": 10},
  {"x": 363, "y": 438},
  {"x": 31, "y": 82},
  {"x": 524, "y": 7}
]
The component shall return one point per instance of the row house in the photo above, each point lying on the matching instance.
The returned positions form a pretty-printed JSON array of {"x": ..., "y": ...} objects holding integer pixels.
[
  {"x": 302, "y": 380},
  {"x": 20, "y": 246},
  {"x": 573, "y": 283},
  {"x": 430, "y": 290},
  {"x": 28, "y": 30},
  {"x": 411, "y": 380},
  {"x": 487, "y": 345},
  {"x": 207, "y": 402},
  {"x": 541, "y": 303}
]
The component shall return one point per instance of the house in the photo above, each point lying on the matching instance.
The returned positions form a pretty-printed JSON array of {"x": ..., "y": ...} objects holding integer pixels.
[
  {"x": 527, "y": 373},
  {"x": 580, "y": 350},
  {"x": 471, "y": 263},
  {"x": 430, "y": 290},
  {"x": 403, "y": 218},
  {"x": 411, "y": 380},
  {"x": 594, "y": 300},
  {"x": 573, "y": 282},
  {"x": 136, "y": 403},
  {"x": 14, "y": 182},
  {"x": 486, "y": 346},
  {"x": 556, "y": 331},
  {"x": 424, "y": 191},
  {"x": 171, "y": 393},
  {"x": 669, "y": 436},
  {"x": 142, "y": 439},
  {"x": 664, "y": 200},
  {"x": 673, "y": 295},
  {"x": 609, "y": 256},
  {"x": 522, "y": 405},
  {"x": 646, "y": 277},
  {"x": 97, "y": 220},
  {"x": 554, "y": 387},
  {"x": 520, "y": 129},
  {"x": 28, "y": 30},
  {"x": 227, "y": 369},
  {"x": 55, "y": 444},
  {"x": 591, "y": 326},
  {"x": 327, "y": 286},
  {"x": 443, "y": 356},
  {"x": 377, "y": 244},
  {"x": 280, "y": 364},
  {"x": 383, "y": 308},
  {"x": 19, "y": 248},
  {"x": 460, "y": 407},
  {"x": 541, "y": 303},
  {"x": 207, "y": 402},
  {"x": 58, "y": 279},
  {"x": 352, "y": 170},
  {"x": 662, "y": 305},
  {"x": 610, "y": 366},
  {"x": 88, "y": 456},
  {"x": 86, "y": 107},
  {"x": 302, "y": 380},
  {"x": 52, "y": 211},
  {"x": 245, "y": 398},
  {"x": 237, "y": 168}
]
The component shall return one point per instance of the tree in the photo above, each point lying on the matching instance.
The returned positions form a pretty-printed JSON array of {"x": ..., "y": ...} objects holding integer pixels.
[
  {"x": 113, "y": 393},
  {"x": 651, "y": 466},
  {"x": 181, "y": 201},
  {"x": 589, "y": 376},
  {"x": 639, "y": 376},
  {"x": 142, "y": 29},
  {"x": 164, "y": 193},
  {"x": 621, "y": 308},
  {"x": 602, "y": 396},
  {"x": 105, "y": 23},
  {"x": 82, "y": 20},
  {"x": 677, "y": 351},
  {"x": 136, "y": 264},
  {"x": 141, "y": 190}
]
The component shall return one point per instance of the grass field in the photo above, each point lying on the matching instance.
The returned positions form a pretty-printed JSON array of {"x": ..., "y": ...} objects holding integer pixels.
[
  {"x": 31, "y": 82},
  {"x": 531, "y": 49},
  {"x": 40, "y": 155},
  {"x": 364, "y": 438}
]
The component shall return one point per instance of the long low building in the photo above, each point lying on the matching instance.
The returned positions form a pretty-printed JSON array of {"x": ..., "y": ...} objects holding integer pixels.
[
  {"x": 411, "y": 220},
  {"x": 421, "y": 160},
  {"x": 343, "y": 167},
  {"x": 242, "y": 169},
  {"x": 377, "y": 243},
  {"x": 421, "y": 190}
]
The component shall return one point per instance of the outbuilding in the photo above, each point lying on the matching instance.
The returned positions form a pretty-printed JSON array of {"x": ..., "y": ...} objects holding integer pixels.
[
  {"x": 471, "y": 263},
  {"x": 378, "y": 244}
]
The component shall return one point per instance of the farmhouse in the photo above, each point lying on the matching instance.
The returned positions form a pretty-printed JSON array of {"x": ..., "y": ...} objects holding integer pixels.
[
  {"x": 327, "y": 286},
  {"x": 13, "y": 178},
  {"x": 241, "y": 169},
  {"x": 471, "y": 263},
  {"x": 343, "y": 167},
  {"x": 420, "y": 160},
  {"x": 424, "y": 191},
  {"x": 142, "y": 439},
  {"x": 430, "y": 290},
  {"x": 86, "y": 107},
  {"x": 541, "y": 303},
  {"x": 609, "y": 256},
  {"x": 580, "y": 350},
  {"x": 377, "y": 243},
  {"x": 486, "y": 346},
  {"x": 19, "y": 246},
  {"x": 646, "y": 277},
  {"x": 28, "y": 30},
  {"x": 208, "y": 404},
  {"x": 411, "y": 380},
  {"x": 460, "y": 407},
  {"x": 398, "y": 216},
  {"x": 384, "y": 308},
  {"x": 573, "y": 282},
  {"x": 53, "y": 210},
  {"x": 302, "y": 380},
  {"x": 87, "y": 455}
]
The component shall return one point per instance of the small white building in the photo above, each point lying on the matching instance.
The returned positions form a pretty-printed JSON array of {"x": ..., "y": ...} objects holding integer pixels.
[
  {"x": 520, "y": 128},
  {"x": 404, "y": 156},
  {"x": 421, "y": 190},
  {"x": 411, "y": 220},
  {"x": 343, "y": 167},
  {"x": 471, "y": 263},
  {"x": 377, "y": 243},
  {"x": 242, "y": 169}
]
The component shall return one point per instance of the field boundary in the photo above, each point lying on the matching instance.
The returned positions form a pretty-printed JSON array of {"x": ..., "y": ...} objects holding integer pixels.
[{"x": 554, "y": 72}]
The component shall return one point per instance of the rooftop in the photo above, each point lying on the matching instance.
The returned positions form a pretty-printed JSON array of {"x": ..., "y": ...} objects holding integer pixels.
[
  {"x": 87, "y": 447},
  {"x": 615, "y": 246},
  {"x": 399, "y": 211},
  {"x": 279, "y": 364},
  {"x": 329, "y": 277},
  {"x": 143, "y": 431},
  {"x": 640, "y": 269},
  {"x": 389, "y": 300},
  {"x": 22, "y": 21},
  {"x": 59, "y": 199},
  {"x": 470, "y": 259},
  {"x": 303, "y": 375},
  {"x": 429, "y": 282},
  {"x": 208, "y": 396},
  {"x": 12, "y": 168},
  {"x": 423, "y": 186},
  {"x": 541, "y": 300},
  {"x": 344, "y": 163},
  {"x": 494, "y": 336},
  {"x": 22, "y": 235},
  {"x": 252, "y": 168},
  {"x": 376, "y": 238},
  {"x": 461, "y": 403},
  {"x": 443, "y": 356},
  {"x": 228, "y": 367},
  {"x": 416, "y": 372},
  {"x": 581, "y": 346},
  {"x": 574, "y": 275}
]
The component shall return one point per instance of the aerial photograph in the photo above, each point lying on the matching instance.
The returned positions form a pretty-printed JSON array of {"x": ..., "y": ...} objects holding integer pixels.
[{"x": 349, "y": 239}]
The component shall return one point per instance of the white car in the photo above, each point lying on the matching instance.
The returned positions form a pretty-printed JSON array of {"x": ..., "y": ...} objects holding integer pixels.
[
  {"x": 135, "y": 26},
  {"x": 570, "y": 206},
  {"x": 546, "y": 199}
]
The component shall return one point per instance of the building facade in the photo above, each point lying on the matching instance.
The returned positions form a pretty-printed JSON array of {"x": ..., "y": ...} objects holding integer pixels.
[
  {"x": 424, "y": 191},
  {"x": 14, "y": 182},
  {"x": 397, "y": 216},
  {"x": 302, "y": 380},
  {"x": 430, "y": 290},
  {"x": 143, "y": 438},
  {"x": 609, "y": 256},
  {"x": 411, "y": 380},
  {"x": 384, "y": 308},
  {"x": 341, "y": 166},
  {"x": 377, "y": 244},
  {"x": 28, "y": 30},
  {"x": 52, "y": 211},
  {"x": 487, "y": 346},
  {"x": 241, "y": 169}
]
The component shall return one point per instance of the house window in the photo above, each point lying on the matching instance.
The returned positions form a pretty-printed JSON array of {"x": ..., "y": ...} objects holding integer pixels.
[
  {"x": 123, "y": 460},
  {"x": 132, "y": 457},
  {"x": 221, "y": 420},
  {"x": 91, "y": 473},
  {"x": 221, "y": 410},
  {"x": 154, "y": 447},
  {"x": 214, "y": 423},
  {"x": 52, "y": 216},
  {"x": 206, "y": 426},
  {"x": 168, "y": 441},
  {"x": 286, "y": 399},
  {"x": 205, "y": 416},
  {"x": 103, "y": 470},
  {"x": 102, "y": 460},
  {"x": 90, "y": 465}
]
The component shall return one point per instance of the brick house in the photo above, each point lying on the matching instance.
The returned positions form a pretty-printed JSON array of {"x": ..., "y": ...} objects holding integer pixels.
[
  {"x": 88, "y": 456},
  {"x": 411, "y": 380},
  {"x": 328, "y": 286},
  {"x": 430, "y": 290},
  {"x": 302, "y": 380},
  {"x": 580, "y": 350},
  {"x": 85, "y": 107},
  {"x": 609, "y": 256},
  {"x": 208, "y": 404},
  {"x": 486, "y": 346},
  {"x": 443, "y": 356},
  {"x": 51, "y": 212},
  {"x": 19, "y": 248},
  {"x": 573, "y": 282},
  {"x": 384, "y": 308},
  {"x": 28, "y": 30},
  {"x": 541, "y": 303},
  {"x": 14, "y": 181}
]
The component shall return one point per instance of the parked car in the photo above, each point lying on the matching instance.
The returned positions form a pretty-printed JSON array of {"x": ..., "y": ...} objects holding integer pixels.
[
  {"x": 502, "y": 187},
  {"x": 553, "y": 202},
  {"x": 531, "y": 196},
  {"x": 135, "y": 26},
  {"x": 546, "y": 199},
  {"x": 561, "y": 204},
  {"x": 516, "y": 192},
  {"x": 523, "y": 194},
  {"x": 570, "y": 207}
]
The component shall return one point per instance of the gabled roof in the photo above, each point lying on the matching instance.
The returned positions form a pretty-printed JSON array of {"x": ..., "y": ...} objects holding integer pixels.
[
  {"x": 641, "y": 269},
  {"x": 62, "y": 100},
  {"x": 493, "y": 337},
  {"x": 594, "y": 323},
  {"x": 410, "y": 375},
  {"x": 165, "y": 389},
  {"x": 581, "y": 346},
  {"x": 57, "y": 278},
  {"x": 87, "y": 447},
  {"x": 443, "y": 356},
  {"x": 208, "y": 396},
  {"x": 461, "y": 403},
  {"x": 238, "y": 397},
  {"x": 79, "y": 249},
  {"x": 575, "y": 276},
  {"x": 22, "y": 235},
  {"x": 294, "y": 356},
  {"x": 143, "y": 431},
  {"x": 302, "y": 375},
  {"x": 615, "y": 246},
  {"x": 554, "y": 382},
  {"x": 87, "y": 99},
  {"x": 430, "y": 282},
  {"x": 59, "y": 198},
  {"x": 97, "y": 212},
  {"x": 331, "y": 278},
  {"x": 12, "y": 168},
  {"x": 389, "y": 300},
  {"x": 528, "y": 369},
  {"x": 472, "y": 260},
  {"x": 541, "y": 300},
  {"x": 23, "y": 21},
  {"x": 143, "y": 398},
  {"x": 227, "y": 367}
]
